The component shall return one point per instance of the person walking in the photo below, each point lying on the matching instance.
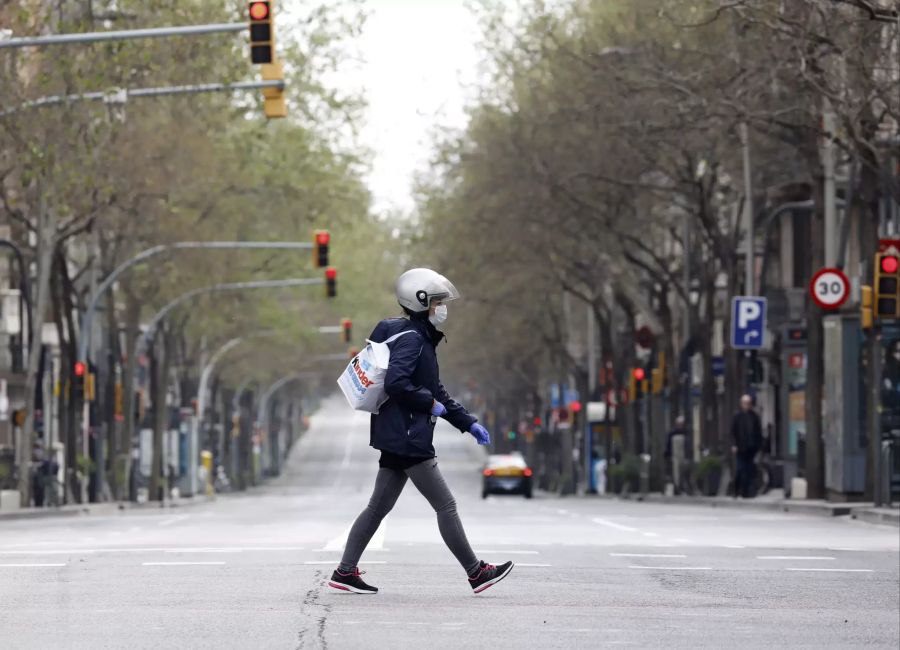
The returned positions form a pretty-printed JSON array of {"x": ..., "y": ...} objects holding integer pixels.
[
  {"x": 677, "y": 452},
  {"x": 746, "y": 436},
  {"x": 403, "y": 432}
]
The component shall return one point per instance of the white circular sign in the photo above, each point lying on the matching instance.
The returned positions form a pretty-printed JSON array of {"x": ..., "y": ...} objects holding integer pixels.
[{"x": 830, "y": 288}]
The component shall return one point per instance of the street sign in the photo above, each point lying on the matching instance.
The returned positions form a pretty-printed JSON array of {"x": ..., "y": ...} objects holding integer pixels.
[
  {"x": 829, "y": 288},
  {"x": 748, "y": 322}
]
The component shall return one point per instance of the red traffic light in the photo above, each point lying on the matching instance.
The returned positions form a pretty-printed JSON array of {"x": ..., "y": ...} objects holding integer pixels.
[
  {"x": 575, "y": 406},
  {"x": 889, "y": 264},
  {"x": 323, "y": 237},
  {"x": 537, "y": 422},
  {"x": 331, "y": 273},
  {"x": 638, "y": 374},
  {"x": 80, "y": 369},
  {"x": 259, "y": 10}
]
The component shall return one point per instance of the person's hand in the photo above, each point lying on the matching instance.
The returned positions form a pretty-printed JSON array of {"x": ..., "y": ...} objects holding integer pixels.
[
  {"x": 438, "y": 409},
  {"x": 481, "y": 434}
]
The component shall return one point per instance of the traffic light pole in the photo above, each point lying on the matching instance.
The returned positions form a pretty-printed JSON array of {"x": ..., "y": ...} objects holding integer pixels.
[
  {"x": 121, "y": 35},
  {"x": 88, "y": 318},
  {"x": 123, "y": 95}
]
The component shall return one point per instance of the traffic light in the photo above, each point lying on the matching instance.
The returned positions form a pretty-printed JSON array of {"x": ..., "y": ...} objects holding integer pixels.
[
  {"x": 90, "y": 384},
  {"x": 636, "y": 384},
  {"x": 321, "y": 239},
  {"x": 866, "y": 319},
  {"x": 274, "y": 103},
  {"x": 656, "y": 381},
  {"x": 262, "y": 33},
  {"x": 887, "y": 285},
  {"x": 78, "y": 372},
  {"x": 331, "y": 282},
  {"x": 346, "y": 329}
]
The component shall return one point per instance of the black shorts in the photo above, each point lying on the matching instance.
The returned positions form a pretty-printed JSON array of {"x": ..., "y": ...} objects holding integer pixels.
[{"x": 400, "y": 463}]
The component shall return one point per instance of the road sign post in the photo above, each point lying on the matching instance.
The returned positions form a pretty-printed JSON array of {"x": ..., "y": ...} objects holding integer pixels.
[{"x": 748, "y": 322}]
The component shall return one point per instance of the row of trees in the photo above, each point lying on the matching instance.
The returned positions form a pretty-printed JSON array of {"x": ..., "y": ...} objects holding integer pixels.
[
  {"x": 85, "y": 186},
  {"x": 604, "y": 155}
]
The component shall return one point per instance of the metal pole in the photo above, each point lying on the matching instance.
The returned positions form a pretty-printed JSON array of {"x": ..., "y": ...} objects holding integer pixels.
[
  {"x": 748, "y": 212},
  {"x": 161, "y": 91},
  {"x": 592, "y": 387},
  {"x": 87, "y": 319},
  {"x": 875, "y": 438},
  {"x": 121, "y": 35},
  {"x": 686, "y": 273},
  {"x": 831, "y": 223}
]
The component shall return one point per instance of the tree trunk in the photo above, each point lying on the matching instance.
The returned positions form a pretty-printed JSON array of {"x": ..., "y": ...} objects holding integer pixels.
[
  {"x": 66, "y": 362},
  {"x": 815, "y": 457},
  {"x": 46, "y": 229}
]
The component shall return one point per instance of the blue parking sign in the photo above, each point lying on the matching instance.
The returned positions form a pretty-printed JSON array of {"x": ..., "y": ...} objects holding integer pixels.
[{"x": 748, "y": 322}]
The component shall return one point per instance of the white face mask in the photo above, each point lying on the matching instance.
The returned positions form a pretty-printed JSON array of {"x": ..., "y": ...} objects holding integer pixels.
[{"x": 439, "y": 316}]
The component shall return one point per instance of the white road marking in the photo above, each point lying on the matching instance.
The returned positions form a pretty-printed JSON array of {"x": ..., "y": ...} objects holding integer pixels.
[
  {"x": 173, "y": 520},
  {"x": 793, "y": 557},
  {"x": 612, "y": 524},
  {"x": 491, "y": 552},
  {"x": 338, "y": 543},
  {"x": 377, "y": 543},
  {"x": 31, "y": 565},
  {"x": 650, "y": 534},
  {"x": 182, "y": 563},
  {"x": 682, "y": 540},
  {"x": 562, "y": 511},
  {"x": 645, "y": 555},
  {"x": 733, "y": 546},
  {"x": 531, "y": 564},
  {"x": 672, "y": 568},
  {"x": 203, "y": 550},
  {"x": 336, "y": 562},
  {"x": 167, "y": 549},
  {"x": 832, "y": 570}
]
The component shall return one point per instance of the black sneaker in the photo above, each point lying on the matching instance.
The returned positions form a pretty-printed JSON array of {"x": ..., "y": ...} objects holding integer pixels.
[
  {"x": 351, "y": 582},
  {"x": 489, "y": 575}
]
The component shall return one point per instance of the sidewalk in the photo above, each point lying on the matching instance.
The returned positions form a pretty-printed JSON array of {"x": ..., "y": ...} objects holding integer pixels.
[
  {"x": 775, "y": 501},
  {"x": 97, "y": 509}
]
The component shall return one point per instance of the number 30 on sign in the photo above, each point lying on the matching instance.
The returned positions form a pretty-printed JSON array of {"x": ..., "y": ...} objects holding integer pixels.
[{"x": 830, "y": 288}]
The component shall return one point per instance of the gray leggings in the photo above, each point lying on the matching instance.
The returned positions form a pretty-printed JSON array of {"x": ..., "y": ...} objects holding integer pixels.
[{"x": 388, "y": 485}]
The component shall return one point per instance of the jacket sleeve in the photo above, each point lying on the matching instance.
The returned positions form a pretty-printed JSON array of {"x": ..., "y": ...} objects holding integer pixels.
[
  {"x": 456, "y": 414},
  {"x": 398, "y": 381}
]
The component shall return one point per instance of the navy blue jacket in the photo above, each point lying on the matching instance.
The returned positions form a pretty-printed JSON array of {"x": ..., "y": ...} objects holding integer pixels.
[{"x": 403, "y": 425}]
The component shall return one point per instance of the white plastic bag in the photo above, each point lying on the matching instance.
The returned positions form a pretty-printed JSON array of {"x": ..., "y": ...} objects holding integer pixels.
[{"x": 362, "y": 381}]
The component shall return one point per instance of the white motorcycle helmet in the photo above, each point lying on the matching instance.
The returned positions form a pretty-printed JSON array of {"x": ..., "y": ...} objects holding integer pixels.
[{"x": 418, "y": 288}]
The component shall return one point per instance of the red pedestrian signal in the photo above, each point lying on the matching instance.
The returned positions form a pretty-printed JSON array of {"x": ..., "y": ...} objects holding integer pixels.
[
  {"x": 262, "y": 37},
  {"x": 321, "y": 240},
  {"x": 638, "y": 374},
  {"x": 80, "y": 369},
  {"x": 331, "y": 282},
  {"x": 347, "y": 330}
]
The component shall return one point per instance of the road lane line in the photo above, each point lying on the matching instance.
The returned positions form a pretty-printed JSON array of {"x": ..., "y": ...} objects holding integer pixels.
[
  {"x": 830, "y": 570},
  {"x": 49, "y": 552},
  {"x": 182, "y": 563},
  {"x": 203, "y": 550},
  {"x": 173, "y": 520},
  {"x": 336, "y": 562},
  {"x": 12, "y": 566},
  {"x": 492, "y": 552},
  {"x": 646, "y": 555},
  {"x": 672, "y": 568},
  {"x": 682, "y": 540},
  {"x": 532, "y": 564},
  {"x": 793, "y": 557},
  {"x": 612, "y": 524},
  {"x": 733, "y": 546},
  {"x": 650, "y": 534}
]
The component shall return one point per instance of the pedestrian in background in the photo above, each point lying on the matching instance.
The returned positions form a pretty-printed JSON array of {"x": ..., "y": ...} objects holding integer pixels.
[
  {"x": 746, "y": 436},
  {"x": 403, "y": 431},
  {"x": 678, "y": 452}
]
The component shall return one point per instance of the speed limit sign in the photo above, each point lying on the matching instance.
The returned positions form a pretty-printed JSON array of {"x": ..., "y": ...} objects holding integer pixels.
[{"x": 830, "y": 288}]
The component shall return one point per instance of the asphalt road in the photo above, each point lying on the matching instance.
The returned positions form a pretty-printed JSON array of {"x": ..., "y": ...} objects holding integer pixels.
[{"x": 248, "y": 571}]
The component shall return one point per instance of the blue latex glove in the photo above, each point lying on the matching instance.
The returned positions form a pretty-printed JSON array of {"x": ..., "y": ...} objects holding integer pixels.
[
  {"x": 481, "y": 434},
  {"x": 438, "y": 409}
]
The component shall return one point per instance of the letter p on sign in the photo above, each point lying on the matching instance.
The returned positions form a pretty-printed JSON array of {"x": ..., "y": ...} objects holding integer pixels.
[{"x": 748, "y": 312}]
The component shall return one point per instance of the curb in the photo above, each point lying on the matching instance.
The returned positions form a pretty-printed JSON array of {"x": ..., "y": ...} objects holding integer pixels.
[
  {"x": 109, "y": 508},
  {"x": 878, "y": 516},
  {"x": 819, "y": 508}
]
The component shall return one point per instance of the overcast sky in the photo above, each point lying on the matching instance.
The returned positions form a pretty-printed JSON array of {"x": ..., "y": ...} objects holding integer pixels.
[{"x": 419, "y": 54}]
